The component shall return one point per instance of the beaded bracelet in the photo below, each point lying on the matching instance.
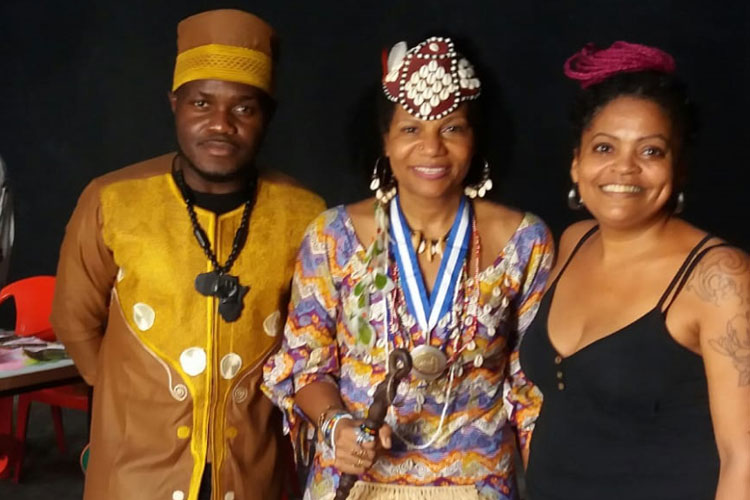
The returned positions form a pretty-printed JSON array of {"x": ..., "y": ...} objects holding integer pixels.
[
  {"x": 370, "y": 432},
  {"x": 328, "y": 429},
  {"x": 325, "y": 420},
  {"x": 331, "y": 439}
]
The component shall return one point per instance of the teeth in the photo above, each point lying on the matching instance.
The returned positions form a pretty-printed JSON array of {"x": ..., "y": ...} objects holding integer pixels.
[
  {"x": 428, "y": 170},
  {"x": 621, "y": 188}
]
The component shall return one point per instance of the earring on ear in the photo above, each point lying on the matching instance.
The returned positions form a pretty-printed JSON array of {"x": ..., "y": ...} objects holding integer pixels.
[
  {"x": 680, "y": 203},
  {"x": 574, "y": 198},
  {"x": 483, "y": 186},
  {"x": 382, "y": 181}
]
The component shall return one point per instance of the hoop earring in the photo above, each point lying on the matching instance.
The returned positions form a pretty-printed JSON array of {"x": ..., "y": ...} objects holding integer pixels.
[
  {"x": 574, "y": 198},
  {"x": 680, "y": 203},
  {"x": 483, "y": 186},
  {"x": 382, "y": 181}
]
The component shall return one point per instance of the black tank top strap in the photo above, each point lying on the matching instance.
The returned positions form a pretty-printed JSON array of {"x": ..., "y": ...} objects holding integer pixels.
[
  {"x": 575, "y": 250},
  {"x": 681, "y": 271},
  {"x": 681, "y": 278}
]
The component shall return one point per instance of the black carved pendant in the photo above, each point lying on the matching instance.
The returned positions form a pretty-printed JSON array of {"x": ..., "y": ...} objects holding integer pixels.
[
  {"x": 207, "y": 283},
  {"x": 230, "y": 309},
  {"x": 227, "y": 289}
]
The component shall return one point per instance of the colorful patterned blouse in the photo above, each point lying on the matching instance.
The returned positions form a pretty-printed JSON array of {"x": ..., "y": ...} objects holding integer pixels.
[{"x": 488, "y": 396}]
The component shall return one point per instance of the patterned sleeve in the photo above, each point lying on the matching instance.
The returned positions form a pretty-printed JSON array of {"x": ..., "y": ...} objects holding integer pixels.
[
  {"x": 308, "y": 351},
  {"x": 535, "y": 256}
]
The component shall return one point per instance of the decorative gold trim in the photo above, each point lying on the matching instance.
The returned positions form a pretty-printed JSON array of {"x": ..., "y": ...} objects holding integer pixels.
[{"x": 223, "y": 62}]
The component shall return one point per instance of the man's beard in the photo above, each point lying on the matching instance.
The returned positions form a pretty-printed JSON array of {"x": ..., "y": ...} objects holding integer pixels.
[{"x": 241, "y": 172}]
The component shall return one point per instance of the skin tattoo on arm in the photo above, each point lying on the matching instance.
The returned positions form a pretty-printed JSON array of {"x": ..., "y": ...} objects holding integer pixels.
[
  {"x": 735, "y": 343},
  {"x": 721, "y": 278},
  {"x": 718, "y": 278}
]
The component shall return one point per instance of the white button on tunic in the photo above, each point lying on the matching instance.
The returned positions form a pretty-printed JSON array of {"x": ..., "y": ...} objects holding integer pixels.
[{"x": 193, "y": 361}]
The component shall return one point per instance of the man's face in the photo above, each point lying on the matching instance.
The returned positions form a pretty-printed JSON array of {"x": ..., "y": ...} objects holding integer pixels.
[{"x": 219, "y": 126}]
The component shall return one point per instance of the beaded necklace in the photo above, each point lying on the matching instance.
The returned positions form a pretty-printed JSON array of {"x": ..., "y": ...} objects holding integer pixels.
[{"x": 219, "y": 283}]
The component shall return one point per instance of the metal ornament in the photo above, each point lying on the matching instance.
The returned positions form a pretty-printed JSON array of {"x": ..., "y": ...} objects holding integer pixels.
[
  {"x": 483, "y": 186},
  {"x": 428, "y": 362},
  {"x": 362, "y": 437},
  {"x": 680, "y": 204},
  {"x": 574, "y": 198}
]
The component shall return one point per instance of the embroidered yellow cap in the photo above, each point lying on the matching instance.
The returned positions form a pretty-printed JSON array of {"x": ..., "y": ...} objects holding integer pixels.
[{"x": 225, "y": 44}]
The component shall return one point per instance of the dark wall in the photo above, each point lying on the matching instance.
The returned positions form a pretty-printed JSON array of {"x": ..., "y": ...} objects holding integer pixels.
[{"x": 84, "y": 85}]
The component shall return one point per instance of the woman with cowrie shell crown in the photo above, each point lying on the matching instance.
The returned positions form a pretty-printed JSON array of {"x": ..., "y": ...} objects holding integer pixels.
[
  {"x": 641, "y": 346},
  {"x": 425, "y": 265}
]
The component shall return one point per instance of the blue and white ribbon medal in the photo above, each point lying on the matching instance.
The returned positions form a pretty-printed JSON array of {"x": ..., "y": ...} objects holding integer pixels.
[{"x": 429, "y": 362}]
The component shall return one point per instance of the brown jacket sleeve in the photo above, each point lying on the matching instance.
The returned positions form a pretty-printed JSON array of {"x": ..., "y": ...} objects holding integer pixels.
[{"x": 85, "y": 275}]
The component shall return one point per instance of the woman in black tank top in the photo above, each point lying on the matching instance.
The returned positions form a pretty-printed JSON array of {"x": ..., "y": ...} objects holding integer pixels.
[{"x": 641, "y": 345}]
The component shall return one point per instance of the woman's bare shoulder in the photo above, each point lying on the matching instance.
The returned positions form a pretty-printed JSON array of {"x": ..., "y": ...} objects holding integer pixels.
[
  {"x": 496, "y": 224},
  {"x": 362, "y": 208},
  {"x": 495, "y": 214},
  {"x": 362, "y": 215},
  {"x": 571, "y": 236},
  {"x": 497, "y": 219}
]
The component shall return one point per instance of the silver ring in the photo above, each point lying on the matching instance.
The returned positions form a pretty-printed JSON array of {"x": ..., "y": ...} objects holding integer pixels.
[{"x": 361, "y": 437}]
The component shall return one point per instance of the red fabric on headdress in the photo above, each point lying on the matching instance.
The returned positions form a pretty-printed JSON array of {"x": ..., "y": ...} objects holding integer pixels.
[
  {"x": 591, "y": 65},
  {"x": 431, "y": 79}
]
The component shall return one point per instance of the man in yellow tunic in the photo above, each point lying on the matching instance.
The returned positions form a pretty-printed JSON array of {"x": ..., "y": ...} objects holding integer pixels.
[{"x": 173, "y": 281}]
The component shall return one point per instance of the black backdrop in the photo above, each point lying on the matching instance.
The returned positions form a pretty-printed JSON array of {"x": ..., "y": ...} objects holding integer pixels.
[{"x": 84, "y": 83}]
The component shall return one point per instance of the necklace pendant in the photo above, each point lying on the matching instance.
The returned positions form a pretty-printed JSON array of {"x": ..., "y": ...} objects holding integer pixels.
[
  {"x": 224, "y": 287},
  {"x": 439, "y": 246},
  {"x": 416, "y": 241},
  {"x": 218, "y": 283},
  {"x": 428, "y": 362},
  {"x": 227, "y": 289},
  {"x": 230, "y": 308},
  {"x": 207, "y": 283}
]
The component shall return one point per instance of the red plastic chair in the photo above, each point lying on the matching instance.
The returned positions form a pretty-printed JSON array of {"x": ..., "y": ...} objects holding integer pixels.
[
  {"x": 33, "y": 298},
  {"x": 8, "y": 445}
]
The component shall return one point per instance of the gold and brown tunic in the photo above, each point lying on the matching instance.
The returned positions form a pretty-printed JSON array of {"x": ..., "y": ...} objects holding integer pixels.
[{"x": 175, "y": 385}]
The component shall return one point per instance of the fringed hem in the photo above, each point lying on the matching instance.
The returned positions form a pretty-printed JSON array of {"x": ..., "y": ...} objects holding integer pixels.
[{"x": 377, "y": 491}]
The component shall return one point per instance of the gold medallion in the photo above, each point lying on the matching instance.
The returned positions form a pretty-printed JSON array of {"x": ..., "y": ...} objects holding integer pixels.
[{"x": 428, "y": 362}]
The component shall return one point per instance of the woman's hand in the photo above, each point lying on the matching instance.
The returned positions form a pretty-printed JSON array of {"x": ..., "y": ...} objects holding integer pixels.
[{"x": 353, "y": 458}]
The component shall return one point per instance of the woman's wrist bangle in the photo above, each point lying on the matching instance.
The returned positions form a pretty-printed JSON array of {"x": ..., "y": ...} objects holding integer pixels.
[
  {"x": 327, "y": 428},
  {"x": 328, "y": 424},
  {"x": 322, "y": 416},
  {"x": 332, "y": 437}
]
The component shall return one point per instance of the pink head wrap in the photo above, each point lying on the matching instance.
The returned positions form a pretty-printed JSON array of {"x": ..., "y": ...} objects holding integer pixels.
[{"x": 591, "y": 65}]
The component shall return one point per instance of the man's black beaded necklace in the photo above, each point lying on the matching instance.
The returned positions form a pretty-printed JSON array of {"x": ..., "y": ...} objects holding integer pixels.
[{"x": 218, "y": 283}]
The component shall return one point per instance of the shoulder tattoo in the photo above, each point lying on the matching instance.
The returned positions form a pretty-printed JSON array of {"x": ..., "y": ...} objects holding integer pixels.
[
  {"x": 721, "y": 278},
  {"x": 735, "y": 343}
]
